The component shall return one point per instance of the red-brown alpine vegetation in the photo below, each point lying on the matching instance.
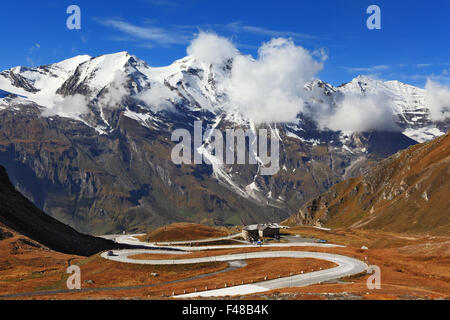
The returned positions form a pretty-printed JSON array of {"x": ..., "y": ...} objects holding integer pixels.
[{"x": 408, "y": 193}]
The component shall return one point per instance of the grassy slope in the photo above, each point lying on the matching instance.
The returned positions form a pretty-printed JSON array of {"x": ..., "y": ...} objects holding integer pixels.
[
  {"x": 184, "y": 231},
  {"x": 408, "y": 192}
]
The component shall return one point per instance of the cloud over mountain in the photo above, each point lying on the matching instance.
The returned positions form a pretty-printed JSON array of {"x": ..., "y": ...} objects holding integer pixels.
[
  {"x": 358, "y": 113},
  {"x": 438, "y": 97},
  {"x": 271, "y": 87},
  {"x": 210, "y": 48},
  {"x": 70, "y": 106}
]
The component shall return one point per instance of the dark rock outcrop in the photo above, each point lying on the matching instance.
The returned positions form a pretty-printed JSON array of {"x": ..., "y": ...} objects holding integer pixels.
[{"x": 20, "y": 215}]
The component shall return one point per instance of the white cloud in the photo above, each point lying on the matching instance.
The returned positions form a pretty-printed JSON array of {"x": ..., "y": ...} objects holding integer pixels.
[
  {"x": 158, "y": 97},
  {"x": 423, "y": 65},
  {"x": 372, "y": 69},
  {"x": 34, "y": 48},
  {"x": 210, "y": 48},
  {"x": 271, "y": 87},
  {"x": 149, "y": 33},
  {"x": 239, "y": 27},
  {"x": 70, "y": 107},
  {"x": 30, "y": 62},
  {"x": 357, "y": 113},
  {"x": 321, "y": 54},
  {"x": 438, "y": 100},
  {"x": 115, "y": 92}
]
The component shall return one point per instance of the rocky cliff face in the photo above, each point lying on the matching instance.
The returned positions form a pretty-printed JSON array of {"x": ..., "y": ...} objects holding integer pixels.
[
  {"x": 83, "y": 141},
  {"x": 407, "y": 192}
]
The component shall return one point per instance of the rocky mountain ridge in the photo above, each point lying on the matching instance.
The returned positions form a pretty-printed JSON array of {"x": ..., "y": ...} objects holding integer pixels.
[{"x": 88, "y": 140}]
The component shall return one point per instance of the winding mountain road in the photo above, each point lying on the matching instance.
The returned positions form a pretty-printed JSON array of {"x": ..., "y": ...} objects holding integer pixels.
[{"x": 346, "y": 266}]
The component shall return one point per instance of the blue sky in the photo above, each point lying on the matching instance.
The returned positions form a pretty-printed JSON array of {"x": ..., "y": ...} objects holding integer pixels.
[{"x": 412, "y": 45}]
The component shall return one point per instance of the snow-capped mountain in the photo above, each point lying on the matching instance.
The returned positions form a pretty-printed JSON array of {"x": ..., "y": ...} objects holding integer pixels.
[
  {"x": 202, "y": 86},
  {"x": 88, "y": 140}
]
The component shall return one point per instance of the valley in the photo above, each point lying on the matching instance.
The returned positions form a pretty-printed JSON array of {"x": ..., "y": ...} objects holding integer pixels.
[{"x": 408, "y": 264}]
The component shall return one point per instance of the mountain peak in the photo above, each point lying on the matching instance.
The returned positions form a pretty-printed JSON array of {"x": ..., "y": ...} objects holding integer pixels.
[
  {"x": 72, "y": 63},
  {"x": 364, "y": 78},
  {"x": 116, "y": 55}
]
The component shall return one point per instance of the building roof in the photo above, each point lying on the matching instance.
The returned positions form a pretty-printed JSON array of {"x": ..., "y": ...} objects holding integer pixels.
[
  {"x": 263, "y": 226},
  {"x": 251, "y": 227}
]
